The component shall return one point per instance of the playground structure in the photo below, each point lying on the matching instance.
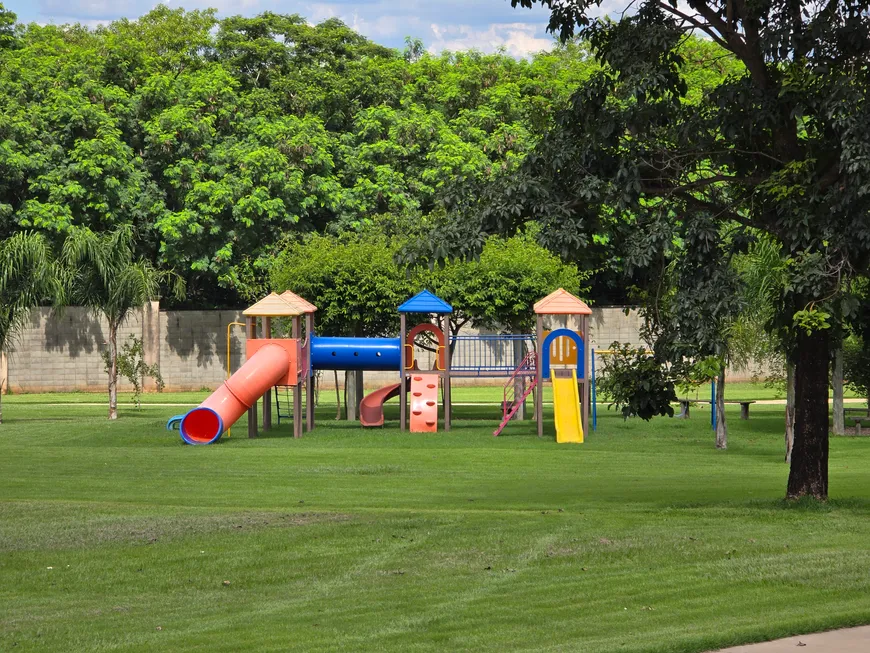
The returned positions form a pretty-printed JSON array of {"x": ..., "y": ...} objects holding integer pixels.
[
  {"x": 557, "y": 356},
  {"x": 570, "y": 393}
]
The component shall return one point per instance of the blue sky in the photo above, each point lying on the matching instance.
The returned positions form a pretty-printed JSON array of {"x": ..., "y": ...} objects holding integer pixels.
[{"x": 441, "y": 24}]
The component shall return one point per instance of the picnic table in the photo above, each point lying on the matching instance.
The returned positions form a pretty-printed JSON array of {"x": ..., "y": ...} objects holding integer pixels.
[
  {"x": 684, "y": 406},
  {"x": 859, "y": 420}
]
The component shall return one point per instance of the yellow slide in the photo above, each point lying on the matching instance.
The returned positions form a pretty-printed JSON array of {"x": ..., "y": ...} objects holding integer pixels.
[{"x": 566, "y": 408}]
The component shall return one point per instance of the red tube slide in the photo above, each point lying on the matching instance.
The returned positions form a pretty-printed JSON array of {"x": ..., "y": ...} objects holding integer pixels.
[
  {"x": 206, "y": 424},
  {"x": 371, "y": 408}
]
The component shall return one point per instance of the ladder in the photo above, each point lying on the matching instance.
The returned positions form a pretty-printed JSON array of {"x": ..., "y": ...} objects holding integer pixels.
[{"x": 525, "y": 377}]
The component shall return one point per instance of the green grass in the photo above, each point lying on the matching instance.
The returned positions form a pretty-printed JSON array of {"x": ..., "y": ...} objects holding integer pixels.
[
  {"x": 114, "y": 536},
  {"x": 461, "y": 394}
]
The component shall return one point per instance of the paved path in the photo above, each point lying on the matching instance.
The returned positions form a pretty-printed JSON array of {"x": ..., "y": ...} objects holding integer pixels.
[{"x": 847, "y": 640}]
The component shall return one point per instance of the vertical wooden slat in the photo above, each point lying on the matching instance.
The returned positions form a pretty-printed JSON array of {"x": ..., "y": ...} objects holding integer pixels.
[
  {"x": 309, "y": 378},
  {"x": 586, "y": 380},
  {"x": 539, "y": 393},
  {"x": 446, "y": 374},
  {"x": 297, "y": 389},
  {"x": 266, "y": 331},
  {"x": 403, "y": 394},
  {"x": 251, "y": 329}
]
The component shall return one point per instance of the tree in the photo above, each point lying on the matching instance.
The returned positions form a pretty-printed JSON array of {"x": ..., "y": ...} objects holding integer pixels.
[
  {"x": 104, "y": 275},
  {"x": 353, "y": 279},
  {"x": 356, "y": 284},
  {"x": 28, "y": 275},
  {"x": 7, "y": 27},
  {"x": 777, "y": 148},
  {"x": 497, "y": 290},
  {"x": 214, "y": 137}
]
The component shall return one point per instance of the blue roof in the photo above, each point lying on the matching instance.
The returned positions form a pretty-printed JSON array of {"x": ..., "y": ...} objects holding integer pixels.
[{"x": 425, "y": 302}]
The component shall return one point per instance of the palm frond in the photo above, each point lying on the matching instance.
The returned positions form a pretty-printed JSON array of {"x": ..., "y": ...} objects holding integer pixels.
[{"x": 28, "y": 277}]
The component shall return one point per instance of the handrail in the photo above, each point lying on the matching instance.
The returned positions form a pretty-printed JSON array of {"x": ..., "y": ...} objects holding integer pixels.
[
  {"x": 438, "y": 352},
  {"x": 229, "y": 330},
  {"x": 510, "y": 403}
]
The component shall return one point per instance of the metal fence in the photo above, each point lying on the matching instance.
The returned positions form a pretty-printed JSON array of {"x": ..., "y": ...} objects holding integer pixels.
[{"x": 489, "y": 355}]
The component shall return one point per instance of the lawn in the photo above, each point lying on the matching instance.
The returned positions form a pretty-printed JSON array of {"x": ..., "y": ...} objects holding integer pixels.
[
  {"x": 114, "y": 536},
  {"x": 461, "y": 394}
]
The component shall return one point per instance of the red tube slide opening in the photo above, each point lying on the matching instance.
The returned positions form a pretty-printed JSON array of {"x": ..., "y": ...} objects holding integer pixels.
[{"x": 201, "y": 426}]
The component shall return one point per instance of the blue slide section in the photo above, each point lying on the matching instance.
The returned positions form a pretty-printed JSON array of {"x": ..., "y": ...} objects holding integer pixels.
[{"x": 356, "y": 353}]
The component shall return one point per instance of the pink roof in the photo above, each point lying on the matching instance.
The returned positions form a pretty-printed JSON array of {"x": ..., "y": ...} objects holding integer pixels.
[
  {"x": 298, "y": 302},
  {"x": 272, "y": 306},
  {"x": 562, "y": 302}
]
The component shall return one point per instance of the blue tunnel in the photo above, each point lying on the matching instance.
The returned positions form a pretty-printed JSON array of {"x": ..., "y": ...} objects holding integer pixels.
[{"x": 356, "y": 354}]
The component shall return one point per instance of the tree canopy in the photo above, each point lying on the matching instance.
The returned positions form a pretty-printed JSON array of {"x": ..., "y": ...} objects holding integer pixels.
[
  {"x": 777, "y": 147},
  {"x": 213, "y": 138}
]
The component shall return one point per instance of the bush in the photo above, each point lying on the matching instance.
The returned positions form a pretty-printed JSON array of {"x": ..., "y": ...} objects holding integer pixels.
[
  {"x": 636, "y": 383},
  {"x": 856, "y": 365}
]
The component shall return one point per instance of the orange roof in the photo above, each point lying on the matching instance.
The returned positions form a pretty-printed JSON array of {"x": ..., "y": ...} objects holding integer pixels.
[
  {"x": 562, "y": 302},
  {"x": 298, "y": 302},
  {"x": 273, "y": 306}
]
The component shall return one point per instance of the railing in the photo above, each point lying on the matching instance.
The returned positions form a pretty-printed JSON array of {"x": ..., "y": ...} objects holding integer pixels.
[
  {"x": 522, "y": 380},
  {"x": 488, "y": 353}
]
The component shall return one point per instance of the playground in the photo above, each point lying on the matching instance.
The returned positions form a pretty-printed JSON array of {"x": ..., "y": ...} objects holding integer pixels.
[
  {"x": 117, "y": 537},
  {"x": 555, "y": 355}
]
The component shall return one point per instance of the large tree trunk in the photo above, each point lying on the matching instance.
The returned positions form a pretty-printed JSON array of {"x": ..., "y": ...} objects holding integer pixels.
[
  {"x": 837, "y": 383},
  {"x": 789, "y": 410},
  {"x": 113, "y": 371},
  {"x": 809, "y": 460},
  {"x": 721, "y": 428}
]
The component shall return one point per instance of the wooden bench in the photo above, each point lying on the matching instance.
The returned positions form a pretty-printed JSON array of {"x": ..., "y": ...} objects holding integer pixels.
[{"x": 684, "y": 407}]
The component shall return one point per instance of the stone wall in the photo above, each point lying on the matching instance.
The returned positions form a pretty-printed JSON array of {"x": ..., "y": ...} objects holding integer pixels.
[{"x": 61, "y": 352}]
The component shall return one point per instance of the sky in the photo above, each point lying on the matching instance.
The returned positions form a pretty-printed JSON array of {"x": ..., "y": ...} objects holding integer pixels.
[{"x": 441, "y": 24}]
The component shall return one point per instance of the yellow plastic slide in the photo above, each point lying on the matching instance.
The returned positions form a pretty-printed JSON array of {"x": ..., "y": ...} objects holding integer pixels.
[{"x": 566, "y": 407}]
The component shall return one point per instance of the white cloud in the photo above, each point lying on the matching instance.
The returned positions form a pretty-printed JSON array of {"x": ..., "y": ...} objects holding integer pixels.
[
  {"x": 441, "y": 24},
  {"x": 90, "y": 23},
  {"x": 517, "y": 39}
]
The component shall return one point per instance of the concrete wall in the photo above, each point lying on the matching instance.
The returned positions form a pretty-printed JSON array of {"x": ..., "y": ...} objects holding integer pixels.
[
  {"x": 62, "y": 352},
  {"x": 193, "y": 348}
]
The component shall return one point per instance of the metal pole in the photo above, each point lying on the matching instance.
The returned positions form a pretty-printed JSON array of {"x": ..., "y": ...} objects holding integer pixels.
[
  {"x": 713, "y": 404},
  {"x": 229, "y": 354},
  {"x": 594, "y": 396}
]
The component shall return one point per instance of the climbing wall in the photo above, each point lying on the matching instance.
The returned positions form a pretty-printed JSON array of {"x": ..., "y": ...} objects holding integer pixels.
[{"x": 424, "y": 403}]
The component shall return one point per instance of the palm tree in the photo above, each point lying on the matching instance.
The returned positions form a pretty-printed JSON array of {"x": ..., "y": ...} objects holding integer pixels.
[
  {"x": 28, "y": 275},
  {"x": 104, "y": 274}
]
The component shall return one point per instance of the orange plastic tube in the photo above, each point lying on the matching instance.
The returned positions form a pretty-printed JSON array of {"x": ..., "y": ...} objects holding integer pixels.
[{"x": 206, "y": 424}]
